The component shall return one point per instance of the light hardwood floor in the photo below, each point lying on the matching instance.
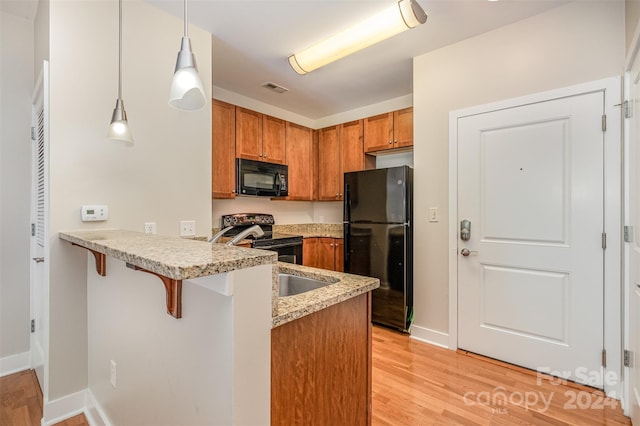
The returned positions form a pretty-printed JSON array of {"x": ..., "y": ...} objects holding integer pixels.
[
  {"x": 415, "y": 384},
  {"x": 419, "y": 384}
]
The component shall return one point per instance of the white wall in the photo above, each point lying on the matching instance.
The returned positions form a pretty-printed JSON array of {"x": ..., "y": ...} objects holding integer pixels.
[
  {"x": 632, "y": 14},
  {"x": 578, "y": 42},
  {"x": 164, "y": 177},
  {"x": 202, "y": 369},
  {"x": 16, "y": 86}
]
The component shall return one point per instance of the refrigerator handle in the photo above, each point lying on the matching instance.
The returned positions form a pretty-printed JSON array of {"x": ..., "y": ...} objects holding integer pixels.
[{"x": 347, "y": 203}]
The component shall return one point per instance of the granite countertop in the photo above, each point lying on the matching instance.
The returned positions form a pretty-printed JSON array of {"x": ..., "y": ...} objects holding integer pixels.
[
  {"x": 307, "y": 230},
  {"x": 182, "y": 259},
  {"x": 346, "y": 286},
  {"x": 173, "y": 257}
]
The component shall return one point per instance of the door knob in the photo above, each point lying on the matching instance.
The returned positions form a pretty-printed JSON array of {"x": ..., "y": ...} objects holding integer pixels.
[{"x": 466, "y": 252}]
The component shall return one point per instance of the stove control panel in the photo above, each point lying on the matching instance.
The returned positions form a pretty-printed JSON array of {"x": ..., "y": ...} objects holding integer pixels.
[{"x": 239, "y": 219}]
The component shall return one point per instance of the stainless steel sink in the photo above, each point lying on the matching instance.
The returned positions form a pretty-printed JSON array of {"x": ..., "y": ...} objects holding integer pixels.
[{"x": 291, "y": 285}]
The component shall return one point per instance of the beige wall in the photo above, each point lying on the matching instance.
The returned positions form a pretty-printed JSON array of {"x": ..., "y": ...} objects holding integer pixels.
[
  {"x": 16, "y": 85},
  {"x": 164, "y": 177},
  {"x": 632, "y": 15},
  {"x": 578, "y": 42}
]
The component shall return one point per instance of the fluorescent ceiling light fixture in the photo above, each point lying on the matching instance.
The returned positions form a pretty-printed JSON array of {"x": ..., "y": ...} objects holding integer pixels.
[
  {"x": 403, "y": 15},
  {"x": 119, "y": 127},
  {"x": 186, "y": 93}
]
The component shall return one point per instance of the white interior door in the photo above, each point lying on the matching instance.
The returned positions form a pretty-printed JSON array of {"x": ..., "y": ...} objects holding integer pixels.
[
  {"x": 633, "y": 248},
  {"x": 39, "y": 221},
  {"x": 530, "y": 181}
]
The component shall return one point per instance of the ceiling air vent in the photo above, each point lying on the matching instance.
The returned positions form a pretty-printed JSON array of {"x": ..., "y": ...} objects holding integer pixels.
[{"x": 275, "y": 87}]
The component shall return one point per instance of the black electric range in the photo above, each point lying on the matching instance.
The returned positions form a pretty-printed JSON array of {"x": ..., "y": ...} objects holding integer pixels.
[{"x": 288, "y": 246}]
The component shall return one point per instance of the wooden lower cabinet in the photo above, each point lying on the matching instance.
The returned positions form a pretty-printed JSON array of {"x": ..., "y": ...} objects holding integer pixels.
[
  {"x": 321, "y": 367},
  {"x": 324, "y": 253}
]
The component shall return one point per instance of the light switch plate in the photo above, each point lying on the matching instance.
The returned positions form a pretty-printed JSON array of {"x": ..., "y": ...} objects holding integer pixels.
[
  {"x": 433, "y": 214},
  {"x": 95, "y": 213}
]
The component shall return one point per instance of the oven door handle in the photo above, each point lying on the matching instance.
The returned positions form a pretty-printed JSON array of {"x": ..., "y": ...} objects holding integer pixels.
[{"x": 277, "y": 246}]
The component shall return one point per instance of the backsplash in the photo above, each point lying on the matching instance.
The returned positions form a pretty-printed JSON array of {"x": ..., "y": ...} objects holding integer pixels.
[{"x": 284, "y": 212}]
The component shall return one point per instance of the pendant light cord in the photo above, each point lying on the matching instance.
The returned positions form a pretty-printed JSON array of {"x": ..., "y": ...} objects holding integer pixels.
[
  {"x": 120, "y": 52},
  {"x": 186, "y": 29}
]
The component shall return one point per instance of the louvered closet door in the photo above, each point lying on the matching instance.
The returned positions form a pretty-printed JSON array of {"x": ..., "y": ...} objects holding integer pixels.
[{"x": 39, "y": 220}]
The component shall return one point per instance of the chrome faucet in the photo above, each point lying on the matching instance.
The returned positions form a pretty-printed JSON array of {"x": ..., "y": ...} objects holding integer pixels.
[
  {"x": 219, "y": 234},
  {"x": 255, "y": 230}
]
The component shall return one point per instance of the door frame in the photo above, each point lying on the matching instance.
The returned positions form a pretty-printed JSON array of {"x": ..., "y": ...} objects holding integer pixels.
[
  {"x": 632, "y": 54},
  {"x": 613, "y": 306}
]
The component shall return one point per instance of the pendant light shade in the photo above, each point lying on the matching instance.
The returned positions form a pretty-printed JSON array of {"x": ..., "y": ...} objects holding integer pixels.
[
  {"x": 186, "y": 93},
  {"x": 403, "y": 15},
  {"x": 119, "y": 127}
]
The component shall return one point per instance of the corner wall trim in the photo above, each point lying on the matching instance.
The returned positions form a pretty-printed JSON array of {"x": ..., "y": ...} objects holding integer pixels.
[
  {"x": 433, "y": 337},
  {"x": 15, "y": 363}
]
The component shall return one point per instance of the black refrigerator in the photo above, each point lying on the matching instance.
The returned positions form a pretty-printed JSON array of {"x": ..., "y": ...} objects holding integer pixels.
[{"x": 378, "y": 238}]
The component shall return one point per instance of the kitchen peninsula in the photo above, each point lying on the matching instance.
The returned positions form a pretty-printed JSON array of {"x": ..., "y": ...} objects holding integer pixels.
[{"x": 209, "y": 361}]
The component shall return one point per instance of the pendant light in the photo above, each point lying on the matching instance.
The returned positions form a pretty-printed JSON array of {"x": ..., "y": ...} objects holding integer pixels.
[
  {"x": 186, "y": 92},
  {"x": 403, "y": 15},
  {"x": 119, "y": 127}
]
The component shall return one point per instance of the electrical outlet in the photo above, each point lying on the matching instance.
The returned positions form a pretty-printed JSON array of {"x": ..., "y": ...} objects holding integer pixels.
[
  {"x": 149, "y": 227},
  {"x": 113, "y": 375},
  {"x": 187, "y": 228}
]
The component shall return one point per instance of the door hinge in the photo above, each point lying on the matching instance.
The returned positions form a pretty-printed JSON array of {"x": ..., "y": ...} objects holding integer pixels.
[
  {"x": 33, "y": 325},
  {"x": 604, "y": 240},
  {"x": 604, "y": 358},
  {"x": 628, "y": 358},
  {"x": 33, "y": 229},
  {"x": 628, "y": 234},
  {"x": 604, "y": 122},
  {"x": 626, "y": 109},
  {"x": 33, "y": 133}
]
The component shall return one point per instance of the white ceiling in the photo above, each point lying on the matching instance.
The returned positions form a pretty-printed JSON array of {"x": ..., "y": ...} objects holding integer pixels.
[{"x": 252, "y": 40}]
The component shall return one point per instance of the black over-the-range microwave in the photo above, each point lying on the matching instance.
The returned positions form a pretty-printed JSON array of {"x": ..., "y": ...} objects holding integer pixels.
[{"x": 261, "y": 179}]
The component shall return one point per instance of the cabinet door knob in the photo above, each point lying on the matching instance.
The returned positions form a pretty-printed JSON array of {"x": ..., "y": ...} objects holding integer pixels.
[
  {"x": 265, "y": 156},
  {"x": 390, "y": 142}
]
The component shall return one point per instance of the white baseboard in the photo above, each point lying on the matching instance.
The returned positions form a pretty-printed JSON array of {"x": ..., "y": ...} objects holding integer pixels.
[
  {"x": 94, "y": 412},
  {"x": 432, "y": 337},
  {"x": 63, "y": 408},
  {"x": 15, "y": 363}
]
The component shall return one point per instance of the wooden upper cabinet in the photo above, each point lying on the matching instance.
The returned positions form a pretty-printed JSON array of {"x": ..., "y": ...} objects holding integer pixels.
[
  {"x": 259, "y": 137},
  {"x": 389, "y": 130},
  {"x": 403, "y": 128},
  {"x": 300, "y": 156},
  {"x": 329, "y": 167},
  {"x": 352, "y": 147},
  {"x": 273, "y": 140},
  {"x": 248, "y": 134},
  {"x": 340, "y": 150},
  {"x": 378, "y": 132},
  {"x": 223, "y": 150}
]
